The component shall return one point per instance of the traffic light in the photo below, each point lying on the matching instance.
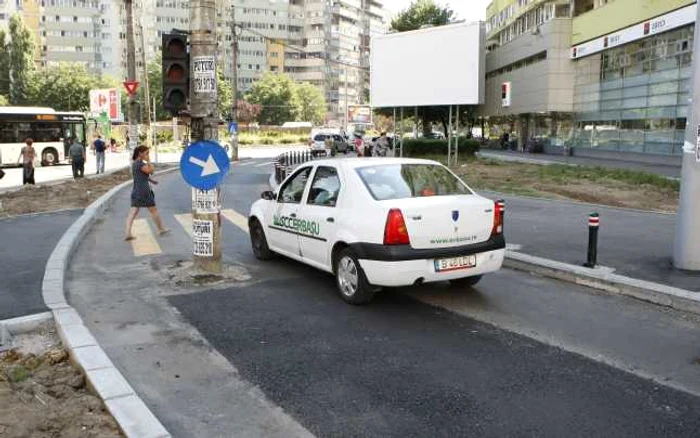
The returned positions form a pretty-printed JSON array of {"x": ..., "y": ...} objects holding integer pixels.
[{"x": 176, "y": 72}]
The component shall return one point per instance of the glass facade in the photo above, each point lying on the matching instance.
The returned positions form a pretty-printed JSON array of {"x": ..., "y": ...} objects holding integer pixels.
[{"x": 634, "y": 98}]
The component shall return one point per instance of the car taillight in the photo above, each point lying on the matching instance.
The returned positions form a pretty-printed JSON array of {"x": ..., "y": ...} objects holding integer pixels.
[
  {"x": 395, "y": 231},
  {"x": 499, "y": 208}
]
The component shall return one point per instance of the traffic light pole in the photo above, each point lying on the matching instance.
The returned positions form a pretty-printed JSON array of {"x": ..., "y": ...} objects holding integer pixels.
[
  {"x": 131, "y": 76},
  {"x": 686, "y": 250},
  {"x": 234, "y": 83},
  {"x": 204, "y": 124}
]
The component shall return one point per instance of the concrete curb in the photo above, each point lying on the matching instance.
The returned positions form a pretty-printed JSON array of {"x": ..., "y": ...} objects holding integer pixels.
[
  {"x": 607, "y": 281},
  {"x": 127, "y": 408}
]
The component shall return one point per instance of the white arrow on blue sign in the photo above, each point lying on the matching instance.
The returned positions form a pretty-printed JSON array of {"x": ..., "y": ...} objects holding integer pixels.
[{"x": 204, "y": 164}]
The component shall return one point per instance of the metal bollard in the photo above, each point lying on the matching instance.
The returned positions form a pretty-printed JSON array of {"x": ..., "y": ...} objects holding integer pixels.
[{"x": 593, "y": 225}]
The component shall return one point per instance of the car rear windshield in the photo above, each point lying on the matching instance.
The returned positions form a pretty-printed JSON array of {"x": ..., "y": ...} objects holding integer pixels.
[
  {"x": 400, "y": 181},
  {"x": 321, "y": 137}
]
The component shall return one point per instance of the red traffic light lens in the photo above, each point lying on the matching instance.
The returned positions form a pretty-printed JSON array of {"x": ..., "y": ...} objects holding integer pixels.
[
  {"x": 175, "y": 73},
  {"x": 176, "y": 47}
]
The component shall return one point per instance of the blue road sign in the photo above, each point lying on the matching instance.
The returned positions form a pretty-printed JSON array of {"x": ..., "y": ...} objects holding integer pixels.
[
  {"x": 233, "y": 127},
  {"x": 204, "y": 164}
]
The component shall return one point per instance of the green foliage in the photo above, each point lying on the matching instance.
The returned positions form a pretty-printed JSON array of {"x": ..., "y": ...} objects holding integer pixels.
[
  {"x": 563, "y": 174},
  {"x": 224, "y": 94},
  {"x": 423, "y": 148},
  {"x": 310, "y": 103},
  {"x": 65, "y": 87},
  {"x": 281, "y": 100},
  {"x": 4, "y": 101},
  {"x": 420, "y": 13},
  {"x": 275, "y": 94}
]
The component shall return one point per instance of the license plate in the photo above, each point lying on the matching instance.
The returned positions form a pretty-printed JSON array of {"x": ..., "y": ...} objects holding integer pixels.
[{"x": 455, "y": 263}]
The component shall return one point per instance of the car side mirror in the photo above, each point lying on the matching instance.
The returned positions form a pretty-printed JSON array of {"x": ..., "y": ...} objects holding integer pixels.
[{"x": 268, "y": 195}]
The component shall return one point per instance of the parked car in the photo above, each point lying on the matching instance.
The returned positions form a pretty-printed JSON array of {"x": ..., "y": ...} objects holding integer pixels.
[
  {"x": 324, "y": 142},
  {"x": 380, "y": 222}
]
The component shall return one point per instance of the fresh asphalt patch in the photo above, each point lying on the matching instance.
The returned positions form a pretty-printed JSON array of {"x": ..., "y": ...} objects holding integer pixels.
[
  {"x": 401, "y": 368},
  {"x": 26, "y": 244}
]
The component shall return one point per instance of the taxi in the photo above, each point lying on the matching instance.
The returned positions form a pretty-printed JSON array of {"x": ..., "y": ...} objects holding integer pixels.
[{"x": 380, "y": 222}]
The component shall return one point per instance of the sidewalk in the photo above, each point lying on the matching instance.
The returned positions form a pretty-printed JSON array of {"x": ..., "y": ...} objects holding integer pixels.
[
  {"x": 636, "y": 244},
  {"x": 659, "y": 169}
]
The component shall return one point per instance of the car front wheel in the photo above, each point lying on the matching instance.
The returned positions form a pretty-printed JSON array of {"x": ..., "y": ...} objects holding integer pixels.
[
  {"x": 351, "y": 280},
  {"x": 259, "y": 242}
]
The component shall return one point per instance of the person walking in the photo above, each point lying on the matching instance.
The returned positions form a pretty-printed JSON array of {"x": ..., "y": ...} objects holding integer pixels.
[
  {"x": 112, "y": 145},
  {"x": 77, "y": 159},
  {"x": 99, "y": 147},
  {"x": 28, "y": 155},
  {"x": 141, "y": 195}
]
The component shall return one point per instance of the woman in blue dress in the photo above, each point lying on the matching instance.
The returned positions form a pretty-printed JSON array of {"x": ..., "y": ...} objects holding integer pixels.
[{"x": 141, "y": 195}]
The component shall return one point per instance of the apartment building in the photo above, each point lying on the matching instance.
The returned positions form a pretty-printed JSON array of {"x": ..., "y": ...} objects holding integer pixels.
[
  {"x": 633, "y": 64},
  {"x": 529, "y": 73}
]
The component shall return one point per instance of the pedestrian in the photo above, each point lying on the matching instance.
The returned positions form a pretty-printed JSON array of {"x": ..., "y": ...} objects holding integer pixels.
[
  {"x": 359, "y": 145},
  {"x": 99, "y": 147},
  {"x": 77, "y": 159},
  {"x": 28, "y": 155},
  {"x": 141, "y": 195},
  {"x": 113, "y": 144}
]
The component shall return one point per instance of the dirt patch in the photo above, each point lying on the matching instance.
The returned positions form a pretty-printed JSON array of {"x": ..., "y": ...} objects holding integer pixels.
[
  {"x": 593, "y": 185},
  {"x": 42, "y": 395},
  {"x": 61, "y": 196}
]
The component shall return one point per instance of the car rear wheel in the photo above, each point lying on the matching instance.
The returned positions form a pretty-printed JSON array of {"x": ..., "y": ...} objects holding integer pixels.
[
  {"x": 462, "y": 283},
  {"x": 351, "y": 280},
  {"x": 259, "y": 241}
]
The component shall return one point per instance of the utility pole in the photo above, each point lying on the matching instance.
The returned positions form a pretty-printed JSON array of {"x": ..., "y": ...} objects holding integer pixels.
[
  {"x": 234, "y": 82},
  {"x": 205, "y": 118},
  {"x": 131, "y": 75},
  {"x": 686, "y": 250}
]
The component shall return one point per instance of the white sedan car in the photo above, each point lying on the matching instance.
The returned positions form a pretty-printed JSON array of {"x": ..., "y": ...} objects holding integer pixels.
[{"x": 380, "y": 222}]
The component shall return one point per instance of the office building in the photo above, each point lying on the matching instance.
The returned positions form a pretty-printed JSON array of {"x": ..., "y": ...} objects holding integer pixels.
[
  {"x": 633, "y": 66},
  {"x": 529, "y": 73}
]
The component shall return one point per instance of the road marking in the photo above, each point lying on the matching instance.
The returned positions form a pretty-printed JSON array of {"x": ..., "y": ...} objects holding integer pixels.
[
  {"x": 236, "y": 219},
  {"x": 186, "y": 221},
  {"x": 145, "y": 243},
  {"x": 246, "y": 163},
  {"x": 265, "y": 164}
]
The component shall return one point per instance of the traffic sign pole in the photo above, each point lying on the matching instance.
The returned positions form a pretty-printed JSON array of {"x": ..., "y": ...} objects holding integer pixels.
[{"x": 204, "y": 116}]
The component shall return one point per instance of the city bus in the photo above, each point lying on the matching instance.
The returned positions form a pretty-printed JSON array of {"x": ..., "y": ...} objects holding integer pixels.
[{"x": 53, "y": 132}]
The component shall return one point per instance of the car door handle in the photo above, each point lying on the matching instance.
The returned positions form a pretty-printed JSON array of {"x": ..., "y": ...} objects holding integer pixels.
[
  {"x": 330, "y": 219},
  {"x": 293, "y": 215}
]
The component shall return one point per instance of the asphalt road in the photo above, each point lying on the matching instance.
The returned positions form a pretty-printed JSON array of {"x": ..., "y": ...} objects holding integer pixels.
[
  {"x": 26, "y": 244},
  {"x": 273, "y": 351}
]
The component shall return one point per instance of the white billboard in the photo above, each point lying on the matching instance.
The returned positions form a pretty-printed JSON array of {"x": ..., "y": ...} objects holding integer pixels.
[
  {"x": 436, "y": 66},
  {"x": 108, "y": 102}
]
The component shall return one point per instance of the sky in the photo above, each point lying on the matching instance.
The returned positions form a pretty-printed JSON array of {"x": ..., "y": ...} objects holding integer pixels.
[{"x": 470, "y": 10}]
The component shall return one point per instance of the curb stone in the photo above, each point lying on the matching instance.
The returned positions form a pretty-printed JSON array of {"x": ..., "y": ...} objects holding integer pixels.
[
  {"x": 133, "y": 416},
  {"x": 600, "y": 278},
  {"x": 605, "y": 280}
]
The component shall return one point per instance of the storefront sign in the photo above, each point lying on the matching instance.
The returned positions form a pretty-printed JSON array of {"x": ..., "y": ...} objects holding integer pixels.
[
  {"x": 203, "y": 234},
  {"x": 205, "y": 201},
  {"x": 506, "y": 89},
  {"x": 359, "y": 114},
  {"x": 663, "y": 23}
]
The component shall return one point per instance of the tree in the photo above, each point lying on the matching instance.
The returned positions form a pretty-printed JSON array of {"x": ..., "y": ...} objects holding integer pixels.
[
  {"x": 225, "y": 94},
  {"x": 422, "y": 13},
  {"x": 4, "y": 64},
  {"x": 310, "y": 103},
  {"x": 275, "y": 93},
  {"x": 3, "y": 100},
  {"x": 65, "y": 87},
  {"x": 247, "y": 112},
  {"x": 20, "y": 54}
]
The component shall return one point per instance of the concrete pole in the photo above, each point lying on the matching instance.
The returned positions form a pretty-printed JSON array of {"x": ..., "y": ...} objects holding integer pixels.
[
  {"x": 203, "y": 107},
  {"x": 686, "y": 250},
  {"x": 234, "y": 82},
  {"x": 131, "y": 75}
]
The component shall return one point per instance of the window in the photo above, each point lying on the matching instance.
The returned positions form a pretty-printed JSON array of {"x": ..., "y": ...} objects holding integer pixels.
[
  {"x": 293, "y": 190},
  {"x": 325, "y": 187},
  {"x": 400, "y": 181}
]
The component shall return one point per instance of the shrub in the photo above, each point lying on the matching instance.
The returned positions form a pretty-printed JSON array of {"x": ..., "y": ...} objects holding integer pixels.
[{"x": 425, "y": 147}]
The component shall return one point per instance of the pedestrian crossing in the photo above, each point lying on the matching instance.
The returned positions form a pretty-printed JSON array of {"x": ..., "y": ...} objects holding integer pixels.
[{"x": 146, "y": 244}]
